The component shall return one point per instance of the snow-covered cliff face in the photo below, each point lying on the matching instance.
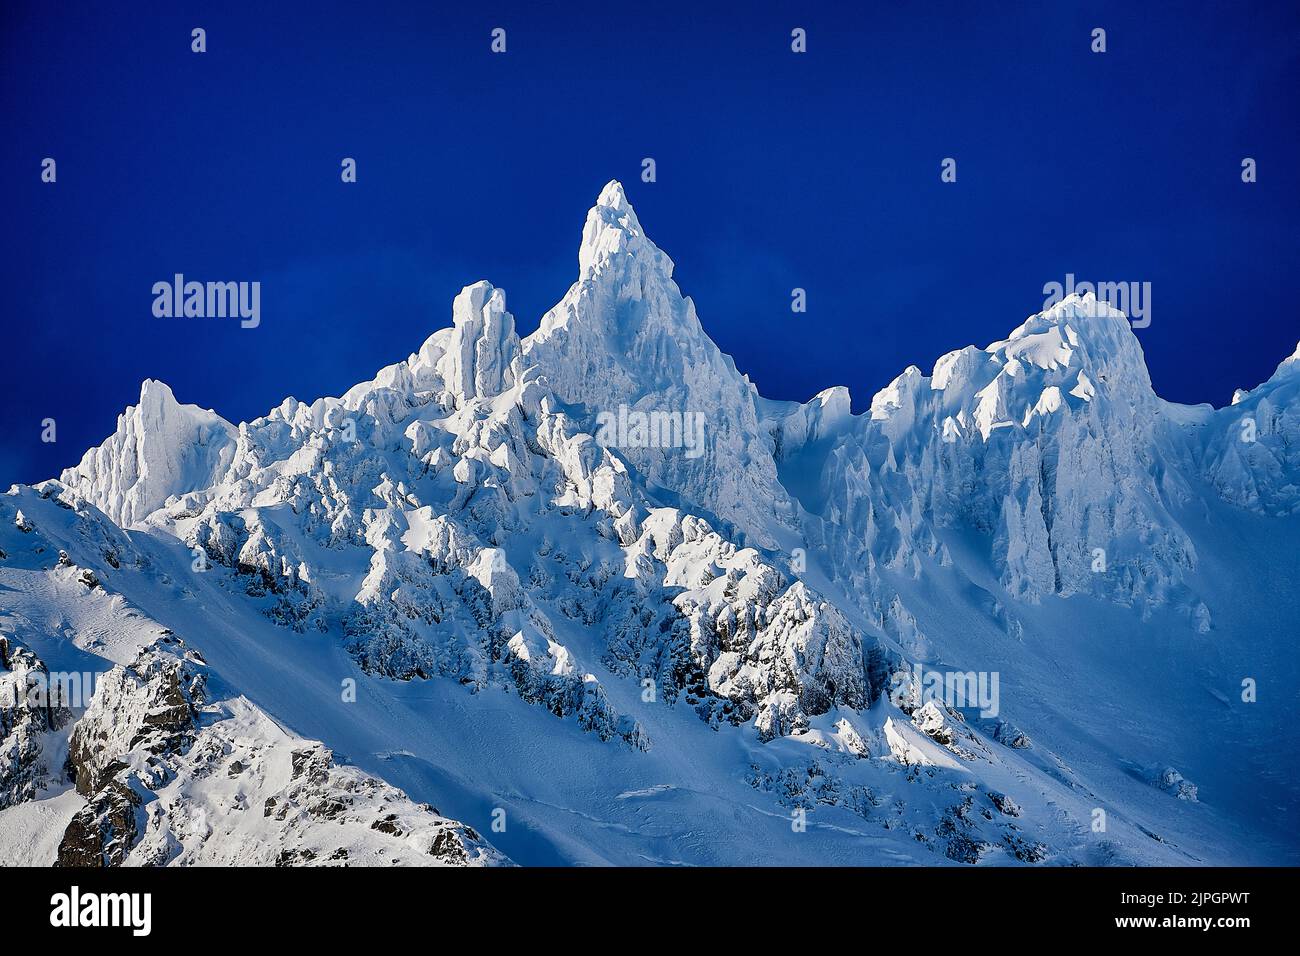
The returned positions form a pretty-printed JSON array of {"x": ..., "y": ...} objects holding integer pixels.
[
  {"x": 468, "y": 519},
  {"x": 1049, "y": 444}
]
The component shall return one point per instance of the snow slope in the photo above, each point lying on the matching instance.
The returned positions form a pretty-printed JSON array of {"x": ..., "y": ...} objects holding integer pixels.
[{"x": 600, "y": 647}]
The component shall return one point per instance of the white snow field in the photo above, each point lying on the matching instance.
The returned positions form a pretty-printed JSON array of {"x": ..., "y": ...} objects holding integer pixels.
[{"x": 437, "y": 621}]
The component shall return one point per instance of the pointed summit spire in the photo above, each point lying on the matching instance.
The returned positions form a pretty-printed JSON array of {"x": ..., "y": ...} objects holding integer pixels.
[
  {"x": 624, "y": 335},
  {"x": 613, "y": 232},
  {"x": 613, "y": 196}
]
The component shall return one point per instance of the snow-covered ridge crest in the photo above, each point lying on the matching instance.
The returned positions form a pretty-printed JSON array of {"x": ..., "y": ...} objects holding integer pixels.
[
  {"x": 1050, "y": 441},
  {"x": 447, "y": 468}
]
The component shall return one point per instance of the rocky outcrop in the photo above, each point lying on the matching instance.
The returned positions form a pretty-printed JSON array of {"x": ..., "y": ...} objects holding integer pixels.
[
  {"x": 104, "y": 831},
  {"x": 173, "y": 779},
  {"x": 31, "y": 708},
  {"x": 146, "y": 708}
]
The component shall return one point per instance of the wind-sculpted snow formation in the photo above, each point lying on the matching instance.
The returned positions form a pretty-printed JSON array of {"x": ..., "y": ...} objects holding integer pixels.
[{"x": 616, "y": 648}]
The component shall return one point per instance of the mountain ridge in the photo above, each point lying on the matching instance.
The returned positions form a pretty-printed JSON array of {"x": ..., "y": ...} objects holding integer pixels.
[{"x": 456, "y": 521}]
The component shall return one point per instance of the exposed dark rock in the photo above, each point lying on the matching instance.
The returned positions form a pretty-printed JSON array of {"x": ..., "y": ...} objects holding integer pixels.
[
  {"x": 28, "y": 711},
  {"x": 103, "y": 832},
  {"x": 1004, "y": 804}
]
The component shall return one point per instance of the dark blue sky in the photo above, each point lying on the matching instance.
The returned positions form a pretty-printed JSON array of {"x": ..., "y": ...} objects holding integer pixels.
[{"x": 775, "y": 170}]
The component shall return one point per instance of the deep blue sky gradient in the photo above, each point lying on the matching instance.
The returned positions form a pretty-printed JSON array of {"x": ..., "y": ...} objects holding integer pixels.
[{"x": 775, "y": 170}]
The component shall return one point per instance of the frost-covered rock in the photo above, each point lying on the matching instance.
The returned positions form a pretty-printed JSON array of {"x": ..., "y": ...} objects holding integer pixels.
[
  {"x": 31, "y": 710},
  {"x": 174, "y": 779},
  {"x": 1172, "y": 782},
  {"x": 149, "y": 706}
]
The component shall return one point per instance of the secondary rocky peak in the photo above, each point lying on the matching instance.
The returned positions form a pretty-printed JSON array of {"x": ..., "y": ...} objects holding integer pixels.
[
  {"x": 160, "y": 448},
  {"x": 834, "y": 403},
  {"x": 1075, "y": 323},
  {"x": 483, "y": 343},
  {"x": 156, "y": 396}
]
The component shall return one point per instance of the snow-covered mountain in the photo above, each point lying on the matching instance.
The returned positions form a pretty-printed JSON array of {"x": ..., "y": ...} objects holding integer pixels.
[{"x": 602, "y": 602}]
